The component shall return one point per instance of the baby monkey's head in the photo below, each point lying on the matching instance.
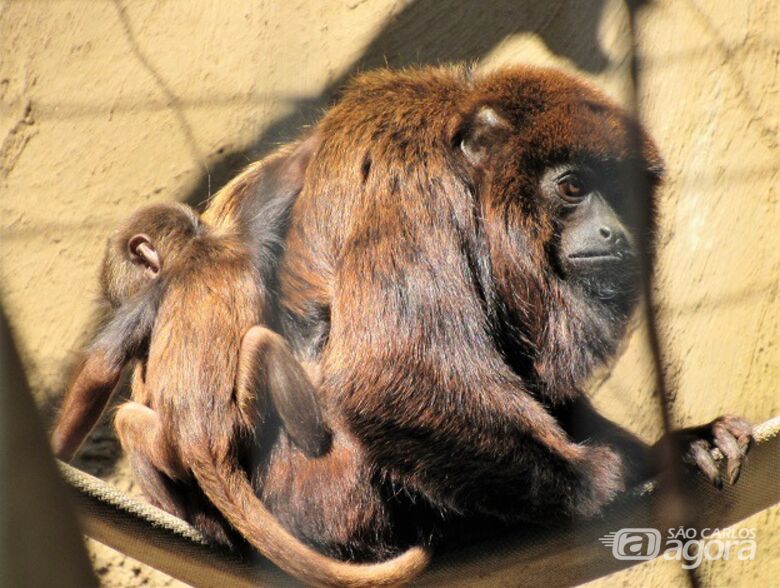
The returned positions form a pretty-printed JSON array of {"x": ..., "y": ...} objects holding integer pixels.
[{"x": 151, "y": 239}]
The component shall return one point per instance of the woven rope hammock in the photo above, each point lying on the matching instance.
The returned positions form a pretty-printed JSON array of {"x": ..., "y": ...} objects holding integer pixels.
[{"x": 560, "y": 557}]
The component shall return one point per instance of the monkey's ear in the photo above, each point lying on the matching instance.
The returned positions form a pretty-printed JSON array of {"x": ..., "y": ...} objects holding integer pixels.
[
  {"x": 143, "y": 252},
  {"x": 480, "y": 132}
]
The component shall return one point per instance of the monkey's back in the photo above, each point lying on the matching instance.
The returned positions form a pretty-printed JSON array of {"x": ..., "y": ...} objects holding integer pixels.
[{"x": 210, "y": 301}]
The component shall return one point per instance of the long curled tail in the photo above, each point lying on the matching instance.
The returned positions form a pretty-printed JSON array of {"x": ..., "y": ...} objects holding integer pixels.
[{"x": 232, "y": 494}]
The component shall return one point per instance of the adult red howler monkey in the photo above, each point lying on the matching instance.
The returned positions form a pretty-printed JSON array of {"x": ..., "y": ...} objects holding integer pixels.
[{"x": 458, "y": 261}]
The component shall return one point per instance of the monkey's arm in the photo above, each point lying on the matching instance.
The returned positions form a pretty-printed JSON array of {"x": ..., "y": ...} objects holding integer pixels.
[
  {"x": 266, "y": 366},
  {"x": 483, "y": 445},
  {"x": 731, "y": 435},
  {"x": 87, "y": 396},
  {"x": 583, "y": 423}
]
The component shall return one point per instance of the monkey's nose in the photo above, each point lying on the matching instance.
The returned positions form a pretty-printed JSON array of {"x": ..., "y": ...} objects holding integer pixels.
[{"x": 612, "y": 236}]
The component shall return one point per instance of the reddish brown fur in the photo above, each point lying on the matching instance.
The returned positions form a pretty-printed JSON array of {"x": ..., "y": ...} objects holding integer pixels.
[
  {"x": 195, "y": 418},
  {"x": 417, "y": 279},
  {"x": 87, "y": 397},
  {"x": 410, "y": 359},
  {"x": 449, "y": 346}
]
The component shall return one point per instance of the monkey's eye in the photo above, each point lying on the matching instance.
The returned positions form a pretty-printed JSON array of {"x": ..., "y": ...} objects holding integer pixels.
[{"x": 571, "y": 188}]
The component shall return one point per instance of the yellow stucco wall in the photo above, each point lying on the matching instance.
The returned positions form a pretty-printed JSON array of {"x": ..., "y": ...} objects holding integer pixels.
[{"x": 108, "y": 105}]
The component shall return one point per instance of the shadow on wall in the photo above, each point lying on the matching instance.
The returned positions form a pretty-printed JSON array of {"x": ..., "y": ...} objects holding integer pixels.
[{"x": 427, "y": 33}]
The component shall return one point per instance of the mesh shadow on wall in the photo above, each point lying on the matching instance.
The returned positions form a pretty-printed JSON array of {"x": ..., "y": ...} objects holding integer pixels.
[{"x": 429, "y": 33}]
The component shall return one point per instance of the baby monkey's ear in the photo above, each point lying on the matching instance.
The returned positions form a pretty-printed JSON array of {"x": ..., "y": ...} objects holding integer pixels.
[{"x": 143, "y": 252}]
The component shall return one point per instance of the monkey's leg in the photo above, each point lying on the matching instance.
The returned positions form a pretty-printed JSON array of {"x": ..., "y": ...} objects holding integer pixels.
[
  {"x": 155, "y": 467},
  {"x": 162, "y": 477},
  {"x": 266, "y": 365},
  {"x": 84, "y": 402},
  {"x": 205, "y": 517}
]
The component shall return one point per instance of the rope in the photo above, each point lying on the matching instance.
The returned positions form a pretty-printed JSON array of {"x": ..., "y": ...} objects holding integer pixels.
[
  {"x": 160, "y": 540},
  {"x": 552, "y": 557}
]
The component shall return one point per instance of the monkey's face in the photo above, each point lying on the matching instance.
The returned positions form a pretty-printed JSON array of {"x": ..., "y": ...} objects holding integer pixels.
[
  {"x": 594, "y": 244},
  {"x": 550, "y": 158}
]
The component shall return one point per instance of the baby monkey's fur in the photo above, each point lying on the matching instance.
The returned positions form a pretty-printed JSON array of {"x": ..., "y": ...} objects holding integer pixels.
[{"x": 185, "y": 308}]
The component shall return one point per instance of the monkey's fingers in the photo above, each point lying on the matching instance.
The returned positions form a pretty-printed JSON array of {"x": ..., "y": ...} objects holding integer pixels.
[
  {"x": 699, "y": 454},
  {"x": 746, "y": 443},
  {"x": 741, "y": 429},
  {"x": 733, "y": 436},
  {"x": 733, "y": 456}
]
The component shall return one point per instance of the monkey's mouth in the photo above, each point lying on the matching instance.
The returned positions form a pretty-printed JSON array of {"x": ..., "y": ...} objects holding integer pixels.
[{"x": 597, "y": 256}]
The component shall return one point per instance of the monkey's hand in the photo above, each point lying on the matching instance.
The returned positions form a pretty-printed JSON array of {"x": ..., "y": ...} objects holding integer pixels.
[{"x": 718, "y": 449}]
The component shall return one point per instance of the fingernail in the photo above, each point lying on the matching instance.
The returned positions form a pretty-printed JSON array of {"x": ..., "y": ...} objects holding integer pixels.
[{"x": 735, "y": 475}]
